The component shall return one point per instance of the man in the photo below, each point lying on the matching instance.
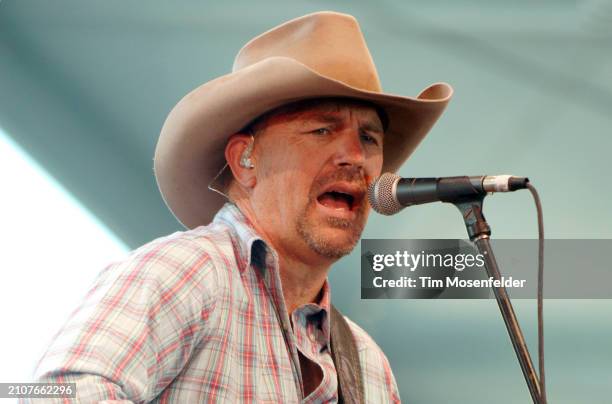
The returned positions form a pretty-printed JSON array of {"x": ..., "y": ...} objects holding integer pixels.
[{"x": 237, "y": 309}]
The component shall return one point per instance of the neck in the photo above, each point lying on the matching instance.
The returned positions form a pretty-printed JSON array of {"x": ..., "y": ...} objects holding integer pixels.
[
  {"x": 302, "y": 278},
  {"x": 302, "y": 283}
]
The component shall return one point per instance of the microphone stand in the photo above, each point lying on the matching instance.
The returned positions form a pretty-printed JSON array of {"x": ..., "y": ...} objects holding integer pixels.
[{"x": 479, "y": 231}]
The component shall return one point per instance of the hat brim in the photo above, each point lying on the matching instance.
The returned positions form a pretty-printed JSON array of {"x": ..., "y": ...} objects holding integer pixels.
[{"x": 190, "y": 150}]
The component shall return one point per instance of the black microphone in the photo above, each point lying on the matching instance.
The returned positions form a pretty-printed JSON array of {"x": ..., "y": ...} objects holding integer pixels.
[{"x": 390, "y": 193}]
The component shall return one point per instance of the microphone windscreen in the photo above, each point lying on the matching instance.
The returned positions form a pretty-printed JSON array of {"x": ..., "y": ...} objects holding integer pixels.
[{"x": 382, "y": 194}]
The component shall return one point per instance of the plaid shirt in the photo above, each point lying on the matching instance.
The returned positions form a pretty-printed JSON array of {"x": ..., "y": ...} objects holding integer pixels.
[{"x": 199, "y": 316}]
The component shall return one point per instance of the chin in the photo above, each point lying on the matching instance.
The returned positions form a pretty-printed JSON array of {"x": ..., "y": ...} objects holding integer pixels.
[{"x": 333, "y": 239}]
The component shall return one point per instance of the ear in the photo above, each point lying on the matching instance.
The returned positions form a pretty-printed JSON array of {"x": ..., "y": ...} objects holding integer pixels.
[{"x": 234, "y": 151}]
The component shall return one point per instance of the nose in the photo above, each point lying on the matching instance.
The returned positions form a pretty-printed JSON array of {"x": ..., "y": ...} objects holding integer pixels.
[{"x": 350, "y": 150}]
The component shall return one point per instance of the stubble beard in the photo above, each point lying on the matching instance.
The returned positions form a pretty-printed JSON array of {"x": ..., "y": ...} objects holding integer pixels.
[{"x": 325, "y": 245}]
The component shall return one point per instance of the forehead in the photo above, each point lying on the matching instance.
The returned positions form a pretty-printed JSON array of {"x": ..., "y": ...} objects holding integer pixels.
[{"x": 319, "y": 108}]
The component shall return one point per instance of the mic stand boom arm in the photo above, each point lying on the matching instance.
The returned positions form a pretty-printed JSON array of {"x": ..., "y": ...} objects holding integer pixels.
[{"x": 479, "y": 232}]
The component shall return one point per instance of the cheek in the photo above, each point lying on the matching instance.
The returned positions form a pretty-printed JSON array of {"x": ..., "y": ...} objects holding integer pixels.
[
  {"x": 290, "y": 163},
  {"x": 373, "y": 167},
  {"x": 286, "y": 180},
  {"x": 276, "y": 169}
]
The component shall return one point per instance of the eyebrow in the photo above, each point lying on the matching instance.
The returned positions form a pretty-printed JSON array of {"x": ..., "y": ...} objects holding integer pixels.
[{"x": 369, "y": 125}]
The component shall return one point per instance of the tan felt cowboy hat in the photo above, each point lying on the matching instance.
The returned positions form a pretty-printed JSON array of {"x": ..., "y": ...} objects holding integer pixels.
[{"x": 318, "y": 55}]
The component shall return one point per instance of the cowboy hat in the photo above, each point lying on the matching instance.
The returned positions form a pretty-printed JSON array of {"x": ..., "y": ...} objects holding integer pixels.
[{"x": 318, "y": 55}]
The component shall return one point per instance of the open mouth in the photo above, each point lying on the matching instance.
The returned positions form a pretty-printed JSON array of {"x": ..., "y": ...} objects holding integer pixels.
[
  {"x": 342, "y": 197},
  {"x": 336, "y": 200}
]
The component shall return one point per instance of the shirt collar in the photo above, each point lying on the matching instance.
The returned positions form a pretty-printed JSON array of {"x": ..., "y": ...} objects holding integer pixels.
[
  {"x": 252, "y": 249},
  {"x": 249, "y": 245},
  {"x": 317, "y": 312}
]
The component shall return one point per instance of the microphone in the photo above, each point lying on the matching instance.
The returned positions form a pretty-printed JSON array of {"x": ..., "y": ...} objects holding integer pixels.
[{"x": 390, "y": 193}]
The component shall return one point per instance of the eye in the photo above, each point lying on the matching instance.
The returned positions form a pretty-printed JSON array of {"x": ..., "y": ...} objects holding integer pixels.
[
  {"x": 369, "y": 139},
  {"x": 321, "y": 131}
]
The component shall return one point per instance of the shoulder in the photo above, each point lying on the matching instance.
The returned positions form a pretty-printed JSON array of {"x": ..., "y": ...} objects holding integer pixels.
[
  {"x": 201, "y": 243},
  {"x": 179, "y": 265},
  {"x": 184, "y": 248},
  {"x": 379, "y": 382}
]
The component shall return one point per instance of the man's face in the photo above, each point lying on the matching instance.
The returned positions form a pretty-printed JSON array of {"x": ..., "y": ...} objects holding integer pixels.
[{"x": 313, "y": 167}]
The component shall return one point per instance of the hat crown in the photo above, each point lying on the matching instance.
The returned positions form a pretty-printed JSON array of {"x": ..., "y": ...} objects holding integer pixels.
[{"x": 331, "y": 44}]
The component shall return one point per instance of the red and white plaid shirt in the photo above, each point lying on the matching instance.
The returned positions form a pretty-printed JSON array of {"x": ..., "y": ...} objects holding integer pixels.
[{"x": 198, "y": 316}]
